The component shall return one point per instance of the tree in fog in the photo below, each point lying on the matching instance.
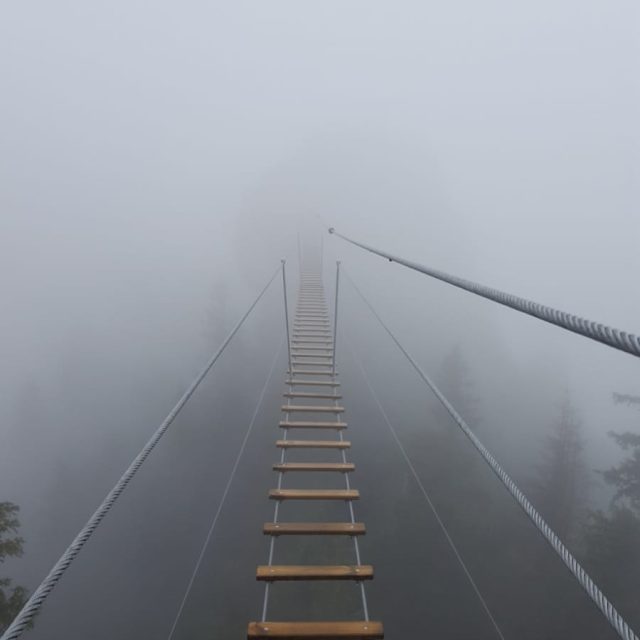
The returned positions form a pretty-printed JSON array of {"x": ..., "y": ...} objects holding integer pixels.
[
  {"x": 613, "y": 553},
  {"x": 12, "y": 599},
  {"x": 456, "y": 383},
  {"x": 560, "y": 490}
]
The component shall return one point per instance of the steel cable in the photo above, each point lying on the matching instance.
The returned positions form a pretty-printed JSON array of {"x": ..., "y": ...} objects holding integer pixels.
[
  {"x": 205, "y": 544},
  {"x": 425, "y": 493},
  {"x": 622, "y": 340},
  {"x": 594, "y": 592},
  {"x": 22, "y": 621}
]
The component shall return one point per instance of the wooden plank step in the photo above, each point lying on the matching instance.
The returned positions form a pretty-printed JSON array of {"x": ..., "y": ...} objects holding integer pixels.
[
  {"x": 303, "y": 326},
  {"x": 303, "y": 394},
  {"x": 342, "y": 467},
  {"x": 303, "y": 315},
  {"x": 316, "y": 630},
  {"x": 311, "y": 383},
  {"x": 310, "y": 354},
  {"x": 310, "y": 330},
  {"x": 315, "y": 363},
  {"x": 312, "y": 408},
  {"x": 324, "y": 334},
  {"x": 314, "y": 529},
  {"x": 300, "y": 424},
  {"x": 313, "y": 444},
  {"x": 313, "y": 340},
  {"x": 311, "y": 372},
  {"x": 312, "y": 350},
  {"x": 314, "y": 494},
  {"x": 314, "y": 572},
  {"x": 317, "y": 345}
]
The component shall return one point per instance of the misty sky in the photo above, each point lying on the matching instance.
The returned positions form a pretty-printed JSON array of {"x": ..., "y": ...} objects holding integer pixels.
[{"x": 158, "y": 159}]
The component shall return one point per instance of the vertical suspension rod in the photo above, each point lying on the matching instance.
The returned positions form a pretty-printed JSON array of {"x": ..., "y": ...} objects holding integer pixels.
[
  {"x": 335, "y": 318},
  {"x": 286, "y": 312}
]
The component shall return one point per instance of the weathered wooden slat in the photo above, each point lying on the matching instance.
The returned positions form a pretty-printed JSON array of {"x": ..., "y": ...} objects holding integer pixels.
[
  {"x": 314, "y": 572},
  {"x": 311, "y": 383},
  {"x": 307, "y": 360},
  {"x": 310, "y": 354},
  {"x": 314, "y": 494},
  {"x": 313, "y": 444},
  {"x": 312, "y": 333},
  {"x": 310, "y": 372},
  {"x": 316, "y": 630},
  {"x": 314, "y": 529},
  {"x": 303, "y": 424},
  {"x": 303, "y": 394},
  {"x": 341, "y": 467},
  {"x": 310, "y": 408}
]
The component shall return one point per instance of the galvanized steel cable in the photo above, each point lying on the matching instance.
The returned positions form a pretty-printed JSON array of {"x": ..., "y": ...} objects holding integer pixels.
[
  {"x": 425, "y": 493},
  {"x": 214, "y": 521},
  {"x": 622, "y": 340},
  {"x": 594, "y": 592},
  {"x": 35, "y": 602}
]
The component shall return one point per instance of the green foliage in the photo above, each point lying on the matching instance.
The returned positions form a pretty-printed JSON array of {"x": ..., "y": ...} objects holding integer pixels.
[
  {"x": 11, "y": 599},
  {"x": 625, "y": 398},
  {"x": 10, "y": 542},
  {"x": 626, "y": 476},
  {"x": 611, "y": 538}
]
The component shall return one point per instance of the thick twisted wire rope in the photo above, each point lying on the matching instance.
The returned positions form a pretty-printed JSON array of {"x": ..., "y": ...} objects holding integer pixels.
[
  {"x": 214, "y": 522},
  {"x": 22, "y": 621},
  {"x": 594, "y": 592},
  {"x": 622, "y": 340},
  {"x": 425, "y": 493}
]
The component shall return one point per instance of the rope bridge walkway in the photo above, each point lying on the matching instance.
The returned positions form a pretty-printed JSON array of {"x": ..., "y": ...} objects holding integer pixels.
[
  {"x": 314, "y": 406},
  {"x": 312, "y": 367}
]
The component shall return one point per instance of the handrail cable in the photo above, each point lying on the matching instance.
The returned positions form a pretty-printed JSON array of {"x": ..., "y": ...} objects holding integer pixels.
[
  {"x": 34, "y": 603},
  {"x": 622, "y": 340},
  {"x": 225, "y": 493},
  {"x": 425, "y": 493},
  {"x": 594, "y": 592}
]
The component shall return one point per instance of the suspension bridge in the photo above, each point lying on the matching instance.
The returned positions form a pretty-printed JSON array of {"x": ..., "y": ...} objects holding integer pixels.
[{"x": 311, "y": 440}]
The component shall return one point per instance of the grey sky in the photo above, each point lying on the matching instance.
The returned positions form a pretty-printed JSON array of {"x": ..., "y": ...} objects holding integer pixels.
[{"x": 157, "y": 159}]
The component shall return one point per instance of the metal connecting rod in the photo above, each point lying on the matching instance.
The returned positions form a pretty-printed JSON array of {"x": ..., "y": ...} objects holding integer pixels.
[{"x": 622, "y": 340}]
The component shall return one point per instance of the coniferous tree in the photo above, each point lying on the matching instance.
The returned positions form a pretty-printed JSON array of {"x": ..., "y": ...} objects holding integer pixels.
[
  {"x": 457, "y": 386},
  {"x": 611, "y": 537},
  {"x": 12, "y": 599},
  {"x": 560, "y": 490}
]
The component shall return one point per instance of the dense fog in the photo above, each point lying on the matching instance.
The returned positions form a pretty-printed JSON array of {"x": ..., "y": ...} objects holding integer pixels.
[{"x": 158, "y": 160}]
